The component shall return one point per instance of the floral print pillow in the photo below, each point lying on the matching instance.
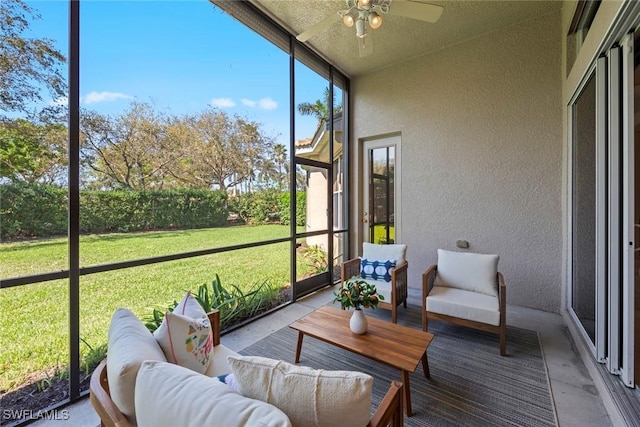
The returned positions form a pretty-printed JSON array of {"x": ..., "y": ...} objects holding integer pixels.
[{"x": 185, "y": 336}]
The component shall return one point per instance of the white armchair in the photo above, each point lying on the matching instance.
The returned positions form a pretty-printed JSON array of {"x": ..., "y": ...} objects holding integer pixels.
[
  {"x": 384, "y": 266},
  {"x": 466, "y": 289}
]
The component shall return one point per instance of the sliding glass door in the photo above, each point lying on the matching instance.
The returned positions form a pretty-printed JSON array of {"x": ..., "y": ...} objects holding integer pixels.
[
  {"x": 603, "y": 209},
  {"x": 583, "y": 200}
]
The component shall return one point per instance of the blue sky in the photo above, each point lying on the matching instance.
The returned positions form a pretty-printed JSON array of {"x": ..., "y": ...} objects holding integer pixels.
[{"x": 180, "y": 56}]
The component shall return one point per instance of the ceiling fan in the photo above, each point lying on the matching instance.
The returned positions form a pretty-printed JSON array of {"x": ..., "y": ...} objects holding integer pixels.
[{"x": 361, "y": 12}]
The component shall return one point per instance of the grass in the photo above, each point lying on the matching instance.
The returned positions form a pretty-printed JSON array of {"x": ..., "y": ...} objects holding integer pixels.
[
  {"x": 34, "y": 326},
  {"x": 380, "y": 234}
]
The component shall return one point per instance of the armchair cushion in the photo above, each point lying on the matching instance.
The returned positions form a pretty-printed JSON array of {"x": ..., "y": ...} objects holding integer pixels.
[
  {"x": 376, "y": 270},
  {"x": 383, "y": 288},
  {"x": 374, "y": 251},
  {"x": 320, "y": 398},
  {"x": 468, "y": 271},
  {"x": 170, "y": 395},
  {"x": 464, "y": 304}
]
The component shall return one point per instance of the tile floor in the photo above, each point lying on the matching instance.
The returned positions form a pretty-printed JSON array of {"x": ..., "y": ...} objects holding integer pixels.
[{"x": 578, "y": 402}]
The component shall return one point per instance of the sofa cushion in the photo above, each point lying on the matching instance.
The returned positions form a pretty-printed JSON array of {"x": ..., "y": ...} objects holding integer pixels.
[
  {"x": 170, "y": 395},
  {"x": 464, "y": 304},
  {"x": 309, "y": 397},
  {"x": 219, "y": 365},
  {"x": 395, "y": 252},
  {"x": 126, "y": 332},
  {"x": 468, "y": 271},
  {"x": 185, "y": 335},
  {"x": 377, "y": 270}
]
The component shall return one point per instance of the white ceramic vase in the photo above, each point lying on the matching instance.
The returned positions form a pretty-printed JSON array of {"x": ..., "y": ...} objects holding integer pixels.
[{"x": 358, "y": 322}]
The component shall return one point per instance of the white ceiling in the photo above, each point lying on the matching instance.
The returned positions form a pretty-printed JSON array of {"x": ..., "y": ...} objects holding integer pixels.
[{"x": 399, "y": 39}]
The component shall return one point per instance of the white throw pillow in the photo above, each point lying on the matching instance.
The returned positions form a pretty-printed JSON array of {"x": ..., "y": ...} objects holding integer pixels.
[
  {"x": 185, "y": 335},
  {"x": 170, "y": 395},
  {"x": 468, "y": 271},
  {"x": 309, "y": 397},
  {"x": 397, "y": 252},
  {"x": 130, "y": 343}
]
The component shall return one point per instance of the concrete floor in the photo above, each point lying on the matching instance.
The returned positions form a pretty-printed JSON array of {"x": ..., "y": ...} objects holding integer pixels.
[{"x": 577, "y": 400}]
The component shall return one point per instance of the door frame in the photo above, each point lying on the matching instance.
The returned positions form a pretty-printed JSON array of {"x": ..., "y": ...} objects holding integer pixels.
[{"x": 365, "y": 144}]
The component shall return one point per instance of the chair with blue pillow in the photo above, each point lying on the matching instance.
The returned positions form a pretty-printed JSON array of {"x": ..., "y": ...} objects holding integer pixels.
[{"x": 384, "y": 266}]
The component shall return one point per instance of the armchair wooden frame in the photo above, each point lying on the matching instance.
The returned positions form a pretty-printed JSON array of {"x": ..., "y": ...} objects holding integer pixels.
[
  {"x": 428, "y": 279},
  {"x": 351, "y": 268}
]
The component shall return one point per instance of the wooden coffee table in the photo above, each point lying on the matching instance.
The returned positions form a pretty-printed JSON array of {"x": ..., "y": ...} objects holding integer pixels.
[{"x": 394, "y": 345}]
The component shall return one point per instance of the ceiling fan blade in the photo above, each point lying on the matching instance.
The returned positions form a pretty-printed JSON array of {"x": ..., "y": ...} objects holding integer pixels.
[
  {"x": 365, "y": 45},
  {"x": 316, "y": 28},
  {"x": 414, "y": 10}
]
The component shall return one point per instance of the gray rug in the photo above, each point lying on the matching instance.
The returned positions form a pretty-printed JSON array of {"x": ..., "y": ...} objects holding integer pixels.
[{"x": 470, "y": 385}]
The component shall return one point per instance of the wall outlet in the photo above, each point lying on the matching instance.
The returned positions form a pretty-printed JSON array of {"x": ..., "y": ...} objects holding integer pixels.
[{"x": 462, "y": 244}]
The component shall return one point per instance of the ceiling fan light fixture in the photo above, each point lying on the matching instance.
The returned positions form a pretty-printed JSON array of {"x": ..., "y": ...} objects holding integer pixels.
[
  {"x": 348, "y": 20},
  {"x": 375, "y": 20},
  {"x": 364, "y": 3},
  {"x": 361, "y": 31}
]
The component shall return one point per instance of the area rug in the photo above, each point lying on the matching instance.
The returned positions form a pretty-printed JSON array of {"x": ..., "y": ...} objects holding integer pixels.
[{"x": 470, "y": 385}]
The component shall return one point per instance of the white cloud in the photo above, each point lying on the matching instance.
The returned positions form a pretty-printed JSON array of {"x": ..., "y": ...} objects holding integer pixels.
[
  {"x": 267, "y": 104},
  {"x": 94, "y": 97},
  {"x": 223, "y": 102},
  {"x": 263, "y": 104}
]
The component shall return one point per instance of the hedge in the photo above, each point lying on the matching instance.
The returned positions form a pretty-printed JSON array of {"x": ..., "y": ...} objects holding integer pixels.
[
  {"x": 32, "y": 210},
  {"x": 268, "y": 206}
]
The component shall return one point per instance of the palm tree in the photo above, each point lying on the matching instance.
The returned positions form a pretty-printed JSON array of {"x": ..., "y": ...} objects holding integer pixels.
[
  {"x": 320, "y": 108},
  {"x": 280, "y": 156}
]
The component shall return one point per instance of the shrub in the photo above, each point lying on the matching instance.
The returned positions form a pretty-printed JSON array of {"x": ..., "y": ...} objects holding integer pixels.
[
  {"x": 30, "y": 210},
  {"x": 234, "y": 304},
  {"x": 316, "y": 258},
  {"x": 33, "y": 210},
  {"x": 257, "y": 208},
  {"x": 301, "y": 208}
]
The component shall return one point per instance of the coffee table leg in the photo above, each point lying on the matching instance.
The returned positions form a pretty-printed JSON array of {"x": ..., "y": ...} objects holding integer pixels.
[
  {"x": 425, "y": 366},
  {"x": 299, "y": 346},
  {"x": 407, "y": 393}
]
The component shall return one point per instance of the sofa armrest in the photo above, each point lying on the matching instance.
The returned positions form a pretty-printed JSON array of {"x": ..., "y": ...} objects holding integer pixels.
[
  {"x": 390, "y": 411},
  {"x": 110, "y": 415},
  {"x": 214, "y": 319}
]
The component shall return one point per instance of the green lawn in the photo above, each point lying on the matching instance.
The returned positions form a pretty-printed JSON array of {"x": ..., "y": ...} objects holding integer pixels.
[{"x": 34, "y": 325}]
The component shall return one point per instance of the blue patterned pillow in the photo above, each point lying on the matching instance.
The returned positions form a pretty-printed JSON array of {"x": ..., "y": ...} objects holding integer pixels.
[{"x": 376, "y": 270}]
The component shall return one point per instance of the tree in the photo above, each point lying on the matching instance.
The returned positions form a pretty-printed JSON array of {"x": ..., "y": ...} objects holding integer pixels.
[
  {"x": 32, "y": 152},
  {"x": 320, "y": 108},
  {"x": 280, "y": 157},
  {"x": 129, "y": 151},
  {"x": 223, "y": 152},
  {"x": 27, "y": 65}
]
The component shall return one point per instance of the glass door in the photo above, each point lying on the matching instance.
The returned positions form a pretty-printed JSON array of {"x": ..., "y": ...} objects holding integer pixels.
[
  {"x": 583, "y": 201},
  {"x": 381, "y": 190}
]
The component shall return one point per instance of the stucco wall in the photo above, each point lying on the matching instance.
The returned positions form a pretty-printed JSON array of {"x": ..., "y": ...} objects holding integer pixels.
[{"x": 481, "y": 128}]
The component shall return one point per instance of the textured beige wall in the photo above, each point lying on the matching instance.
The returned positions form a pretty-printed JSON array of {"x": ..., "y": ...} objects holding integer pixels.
[{"x": 482, "y": 144}]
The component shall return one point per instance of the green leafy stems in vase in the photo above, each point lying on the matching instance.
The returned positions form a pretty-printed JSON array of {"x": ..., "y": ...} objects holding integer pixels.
[{"x": 357, "y": 293}]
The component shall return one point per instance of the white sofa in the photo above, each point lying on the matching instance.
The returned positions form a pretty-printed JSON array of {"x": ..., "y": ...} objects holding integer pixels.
[{"x": 150, "y": 391}]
